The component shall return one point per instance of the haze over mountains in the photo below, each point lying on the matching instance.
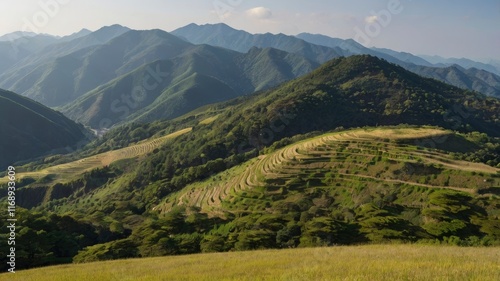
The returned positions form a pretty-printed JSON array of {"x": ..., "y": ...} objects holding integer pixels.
[
  {"x": 240, "y": 40},
  {"x": 201, "y": 75},
  {"x": 225, "y": 140},
  {"x": 89, "y": 75}
]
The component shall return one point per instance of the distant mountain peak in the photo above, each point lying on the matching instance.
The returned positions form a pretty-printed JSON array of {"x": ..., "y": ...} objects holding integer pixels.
[
  {"x": 215, "y": 27},
  {"x": 220, "y": 25},
  {"x": 16, "y": 35},
  {"x": 83, "y": 32},
  {"x": 112, "y": 27},
  {"x": 457, "y": 66}
]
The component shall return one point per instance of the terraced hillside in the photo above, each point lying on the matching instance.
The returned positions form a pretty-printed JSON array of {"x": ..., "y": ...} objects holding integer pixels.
[
  {"x": 350, "y": 161},
  {"x": 66, "y": 172}
]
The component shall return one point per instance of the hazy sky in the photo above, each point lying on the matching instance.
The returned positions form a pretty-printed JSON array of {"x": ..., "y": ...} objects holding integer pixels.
[{"x": 450, "y": 28}]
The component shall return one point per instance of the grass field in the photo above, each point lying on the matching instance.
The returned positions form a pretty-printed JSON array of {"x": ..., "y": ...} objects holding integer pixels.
[
  {"x": 379, "y": 262},
  {"x": 66, "y": 172},
  {"x": 209, "y": 120}
]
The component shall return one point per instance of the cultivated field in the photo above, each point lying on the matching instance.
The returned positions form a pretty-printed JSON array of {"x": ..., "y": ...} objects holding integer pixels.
[
  {"x": 66, "y": 172},
  {"x": 381, "y": 262},
  {"x": 351, "y": 158}
]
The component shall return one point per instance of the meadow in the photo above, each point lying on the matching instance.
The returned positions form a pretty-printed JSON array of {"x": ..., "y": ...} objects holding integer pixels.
[{"x": 372, "y": 262}]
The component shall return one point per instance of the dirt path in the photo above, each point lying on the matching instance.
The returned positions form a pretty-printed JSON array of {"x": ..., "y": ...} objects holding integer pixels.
[{"x": 467, "y": 190}]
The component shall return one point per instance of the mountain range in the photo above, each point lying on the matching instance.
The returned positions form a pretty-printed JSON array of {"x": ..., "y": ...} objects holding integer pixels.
[
  {"x": 359, "y": 150},
  {"x": 240, "y": 40},
  {"x": 90, "y": 75},
  {"x": 201, "y": 75}
]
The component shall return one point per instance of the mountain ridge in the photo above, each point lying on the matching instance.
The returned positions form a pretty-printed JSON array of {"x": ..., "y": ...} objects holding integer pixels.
[
  {"x": 314, "y": 49},
  {"x": 93, "y": 66},
  {"x": 29, "y": 129},
  {"x": 312, "y": 162},
  {"x": 235, "y": 74}
]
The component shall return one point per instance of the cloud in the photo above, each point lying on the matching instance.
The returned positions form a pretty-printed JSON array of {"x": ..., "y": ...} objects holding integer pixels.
[
  {"x": 371, "y": 19},
  {"x": 260, "y": 13}
]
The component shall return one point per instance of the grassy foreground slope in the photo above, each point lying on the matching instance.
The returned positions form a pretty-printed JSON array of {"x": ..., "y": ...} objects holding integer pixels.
[{"x": 382, "y": 262}]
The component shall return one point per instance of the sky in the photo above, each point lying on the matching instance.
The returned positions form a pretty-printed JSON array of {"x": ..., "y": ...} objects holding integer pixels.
[{"x": 449, "y": 28}]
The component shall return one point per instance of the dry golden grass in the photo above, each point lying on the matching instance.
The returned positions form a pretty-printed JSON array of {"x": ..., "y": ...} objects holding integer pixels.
[
  {"x": 379, "y": 262},
  {"x": 209, "y": 120}
]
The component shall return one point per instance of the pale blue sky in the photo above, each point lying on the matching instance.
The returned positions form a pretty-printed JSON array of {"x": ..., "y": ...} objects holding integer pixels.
[{"x": 450, "y": 28}]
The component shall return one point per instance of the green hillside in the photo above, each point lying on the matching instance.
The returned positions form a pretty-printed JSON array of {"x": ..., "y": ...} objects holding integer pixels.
[
  {"x": 31, "y": 54},
  {"x": 351, "y": 187},
  {"x": 322, "y": 48},
  {"x": 67, "y": 172},
  {"x": 476, "y": 79},
  {"x": 287, "y": 167},
  {"x": 200, "y": 76},
  {"x": 29, "y": 129},
  {"x": 65, "y": 71},
  {"x": 62, "y": 78},
  {"x": 222, "y": 35},
  {"x": 365, "y": 158}
]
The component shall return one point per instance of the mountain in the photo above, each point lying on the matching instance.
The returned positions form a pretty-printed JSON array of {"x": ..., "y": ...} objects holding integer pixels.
[
  {"x": 61, "y": 80},
  {"x": 495, "y": 63},
  {"x": 358, "y": 49},
  {"x": 57, "y": 74},
  {"x": 30, "y": 130},
  {"x": 201, "y": 75},
  {"x": 10, "y": 54},
  {"x": 41, "y": 56},
  {"x": 345, "y": 93},
  {"x": 463, "y": 73},
  {"x": 98, "y": 37},
  {"x": 364, "y": 91},
  {"x": 349, "y": 45},
  {"x": 480, "y": 80},
  {"x": 405, "y": 57},
  {"x": 81, "y": 33},
  {"x": 483, "y": 82},
  {"x": 222, "y": 35},
  {"x": 463, "y": 62},
  {"x": 14, "y": 51},
  {"x": 72, "y": 74},
  {"x": 16, "y": 35},
  {"x": 293, "y": 166},
  {"x": 312, "y": 46},
  {"x": 35, "y": 43}
]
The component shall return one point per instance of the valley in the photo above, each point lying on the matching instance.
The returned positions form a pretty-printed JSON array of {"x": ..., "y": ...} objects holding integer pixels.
[{"x": 213, "y": 153}]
